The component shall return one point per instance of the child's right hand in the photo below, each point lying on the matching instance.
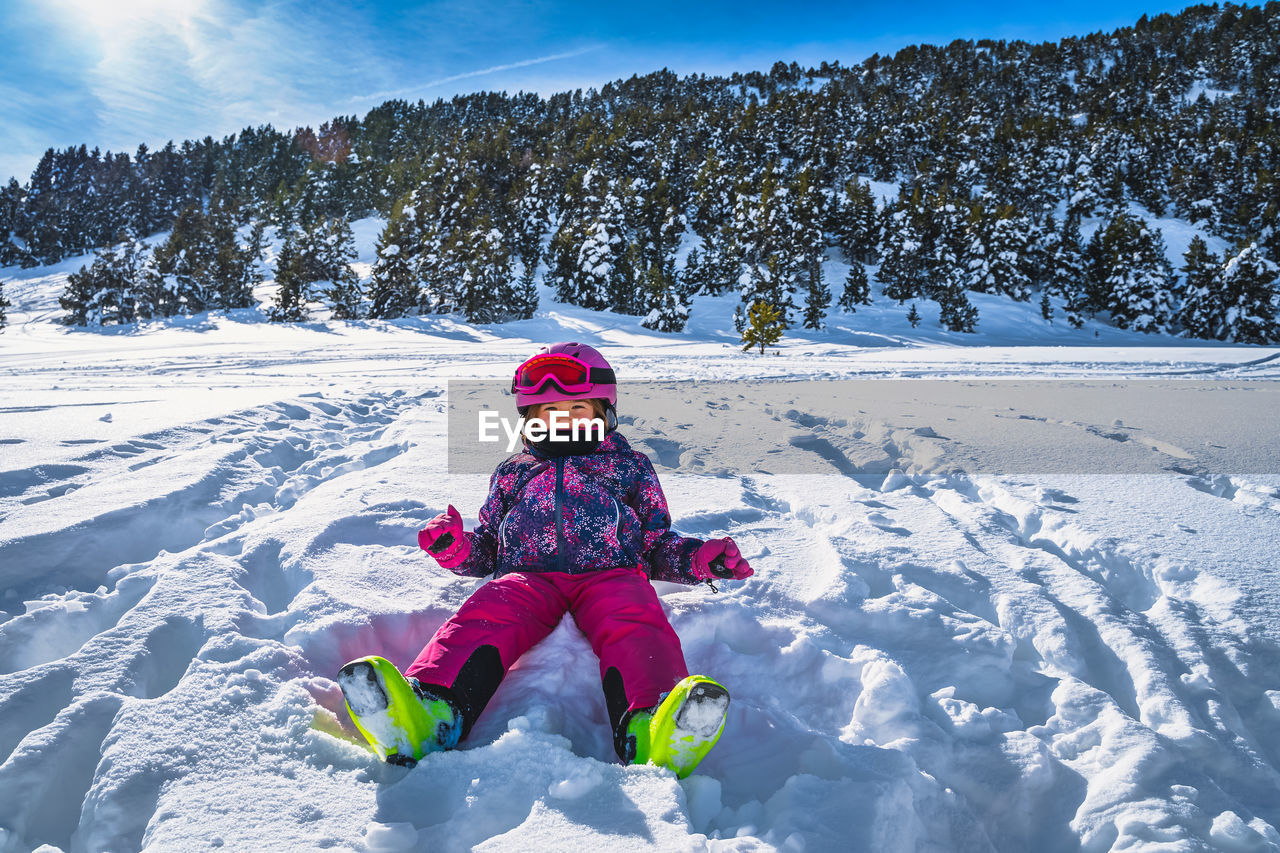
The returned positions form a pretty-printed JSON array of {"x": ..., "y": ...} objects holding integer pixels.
[
  {"x": 734, "y": 566},
  {"x": 444, "y": 539}
]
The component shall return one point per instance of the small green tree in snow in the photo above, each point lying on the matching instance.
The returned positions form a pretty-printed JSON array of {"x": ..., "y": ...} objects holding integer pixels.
[{"x": 764, "y": 326}]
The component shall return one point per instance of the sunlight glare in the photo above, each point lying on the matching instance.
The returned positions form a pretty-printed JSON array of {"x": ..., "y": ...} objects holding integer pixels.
[{"x": 119, "y": 14}]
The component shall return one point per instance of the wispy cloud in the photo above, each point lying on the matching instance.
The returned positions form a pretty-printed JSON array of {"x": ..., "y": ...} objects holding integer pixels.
[{"x": 453, "y": 78}]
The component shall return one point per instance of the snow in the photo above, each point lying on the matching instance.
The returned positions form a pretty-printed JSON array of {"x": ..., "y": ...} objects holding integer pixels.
[
  {"x": 1202, "y": 87},
  {"x": 202, "y": 520}
]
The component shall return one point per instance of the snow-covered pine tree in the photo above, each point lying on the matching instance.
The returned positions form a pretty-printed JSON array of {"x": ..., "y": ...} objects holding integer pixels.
[
  {"x": 441, "y": 264},
  {"x": 855, "y": 222},
  {"x": 293, "y": 290},
  {"x": 1251, "y": 298},
  {"x": 1131, "y": 277},
  {"x": 712, "y": 200},
  {"x": 45, "y": 238},
  {"x": 237, "y": 263},
  {"x": 588, "y": 263},
  {"x": 13, "y": 215},
  {"x": 694, "y": 274},
  {"x": 395, "y": 282},
  {"x": 857, "y": 290},
  {"x": 902, "y": 269},
  {"x": 767, "y": 228},
  {"x": 957, "y": 313},
  {"x": 719, "y": 269},
  {"x": 818, "y": 295},
  {"x": 809, "y": 213},
  {"x": 333, "y": 249},
  {"x": 107, "y": 291},
  {"x": 1202, "y": 312},
  {"x": 139, "y": 208},
  {"x": 1065, "y": 274},
  {"x": 995, "y": 252},
  {"x": 530, "y": 220},
  {"x": 764, "y": 327},
  {"x": 449, "y": 203},
  {"x": 4, "y": 303},
  {"x": 486, "y": 287},
  {"x": 913, "y": 316},
  {"x": 133, "y": 261},
  {"x": 204, "y": 265},
  {"x": 1084, "y": 193},
  {"x": 669, "y": 310}
]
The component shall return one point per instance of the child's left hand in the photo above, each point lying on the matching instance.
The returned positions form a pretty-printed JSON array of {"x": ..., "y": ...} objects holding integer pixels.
[
  {"x": 456, "y": 549},
  {"x": 734, "y": 562}
]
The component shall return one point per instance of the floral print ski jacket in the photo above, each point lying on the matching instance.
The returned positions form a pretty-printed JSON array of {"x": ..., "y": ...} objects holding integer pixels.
[{"x": 578, "y": 514}]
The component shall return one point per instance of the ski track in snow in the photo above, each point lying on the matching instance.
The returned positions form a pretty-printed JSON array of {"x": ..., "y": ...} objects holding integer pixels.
[{"x": 926, "y": 660}]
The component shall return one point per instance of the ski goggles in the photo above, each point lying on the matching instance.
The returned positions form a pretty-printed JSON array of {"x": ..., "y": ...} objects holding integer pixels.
[{"x": 571, "y": 375}]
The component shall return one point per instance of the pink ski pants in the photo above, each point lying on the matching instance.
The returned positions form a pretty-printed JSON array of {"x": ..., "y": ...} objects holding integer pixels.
[{"x": 617, "y": 610}]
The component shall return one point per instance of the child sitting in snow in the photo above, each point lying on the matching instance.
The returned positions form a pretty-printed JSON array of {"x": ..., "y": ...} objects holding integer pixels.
[{"x": 577, "y": 523}]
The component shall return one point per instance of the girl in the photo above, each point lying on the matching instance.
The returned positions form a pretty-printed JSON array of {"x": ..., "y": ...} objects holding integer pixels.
[{"x": 576, "y": 523}]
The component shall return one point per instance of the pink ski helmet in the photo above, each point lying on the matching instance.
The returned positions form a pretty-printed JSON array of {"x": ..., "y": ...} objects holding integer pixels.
[{"x": 564, "y": 371}]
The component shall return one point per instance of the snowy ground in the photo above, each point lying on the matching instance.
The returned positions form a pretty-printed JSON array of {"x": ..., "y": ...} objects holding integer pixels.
[{"x": 201, "y": 521}]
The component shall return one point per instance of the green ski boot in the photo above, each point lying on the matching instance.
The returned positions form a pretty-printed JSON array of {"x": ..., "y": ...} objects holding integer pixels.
[
  {"x": 681, "y": 731},
  {"x": 401, "y": 719}
]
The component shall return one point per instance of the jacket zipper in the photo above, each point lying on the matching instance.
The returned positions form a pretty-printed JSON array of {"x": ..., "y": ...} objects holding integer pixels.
[
  {"x": 502, "y": 530},
  {"x": 559, "y": 514}
]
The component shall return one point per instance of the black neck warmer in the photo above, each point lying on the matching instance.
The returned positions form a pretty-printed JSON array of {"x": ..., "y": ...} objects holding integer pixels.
[{"x": 566, "y": 446}]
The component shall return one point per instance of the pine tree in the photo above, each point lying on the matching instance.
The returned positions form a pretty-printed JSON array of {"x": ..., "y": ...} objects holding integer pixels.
[
  {"x": 857, "y": 290},
  {"x": 239, "y": 265},
  {"x": 204, "y": 264},
  {"x": 957, "y": 313},
  {"x": 856, "y": 223},
  {"x": 1046, "y": 307},
  {"x": 589, "y": 266},
  {"x": 332, "y": 248},
  {"x": 107, "y": 291},
  {"x": 658, "y": 233},
  {"x": 13, "y": 223},
  {"x": 774, "y": 244},
  {"x": 1202, "y": 313},
  {"x": 1066, "y": 275},
  {"x": 996, "y": 248},
  {"x": 531, "y": 219},
  {"x": 808, "y": 214},
  {"x": 394, "y": 286},
  {"x": 818, "y": 298},
  {"x": 913, "y": 317},
  {"x": 293, "y": 290},
  {"x": 1129, "y": 274},
  {"x": 712, "y": 198},
  {"x": 1084, "y": 193},
  {"x": 486, "y": 287},
  {"x": 764, "y": 328},
  {"x": 694, "y": 274},
  {"x": 4, "y": 303},
  {"x": 902, "y": 270},
  {"x": 669, "y": 311},
  {"x": 1251, "y": 297},
  {"x": 719, "y": 269}
]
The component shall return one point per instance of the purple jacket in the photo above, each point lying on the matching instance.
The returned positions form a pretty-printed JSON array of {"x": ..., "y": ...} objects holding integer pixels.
[{"x": 578, "y": 514}]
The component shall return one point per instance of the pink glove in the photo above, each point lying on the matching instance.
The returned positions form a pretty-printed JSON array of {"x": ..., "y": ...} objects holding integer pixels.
[
  {"x": 707, "y": 566},
  {"x": 444, "y": 539}
]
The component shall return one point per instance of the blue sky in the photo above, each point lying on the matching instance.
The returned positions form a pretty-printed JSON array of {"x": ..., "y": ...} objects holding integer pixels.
[{"x": 114, "y": 73}]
